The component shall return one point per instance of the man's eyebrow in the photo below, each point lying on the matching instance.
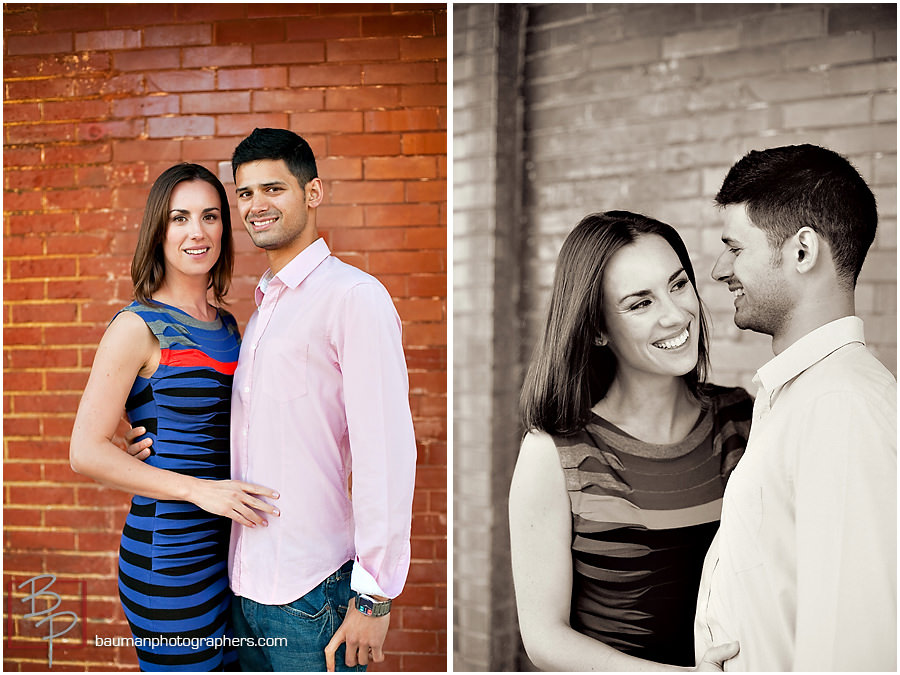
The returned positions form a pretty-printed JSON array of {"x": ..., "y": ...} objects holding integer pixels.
[
  {"x": 263, "y": 185},
  {"x": 728, "y": 241}
]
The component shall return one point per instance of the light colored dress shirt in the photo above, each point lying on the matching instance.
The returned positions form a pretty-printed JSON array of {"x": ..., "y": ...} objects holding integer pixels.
[
  {"x": 803, "y": 570},
  {"x": 320, "y": 390}
]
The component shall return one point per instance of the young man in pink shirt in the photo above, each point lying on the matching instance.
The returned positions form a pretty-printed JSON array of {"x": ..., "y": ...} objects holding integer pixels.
[{"x": 320, "y": 392}]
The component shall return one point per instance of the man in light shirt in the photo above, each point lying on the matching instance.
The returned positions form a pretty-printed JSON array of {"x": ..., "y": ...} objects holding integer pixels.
[
  {"x": 320, "y": 391},
  {"x": 803, "y": 569}
]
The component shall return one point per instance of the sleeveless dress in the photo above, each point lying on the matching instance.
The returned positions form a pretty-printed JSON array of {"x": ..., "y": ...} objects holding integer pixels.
[
  {"x": 173, "y": 558},
  {"x": 643, "y": 517}
]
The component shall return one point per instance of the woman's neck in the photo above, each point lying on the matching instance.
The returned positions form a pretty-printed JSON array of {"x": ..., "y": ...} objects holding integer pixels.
[
  {"x": 187, "y": 294},
  {"x": 652, "y": 409}
]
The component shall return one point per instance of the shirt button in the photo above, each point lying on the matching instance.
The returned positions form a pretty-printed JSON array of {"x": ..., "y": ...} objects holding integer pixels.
[{"x": 246, "y": 390}]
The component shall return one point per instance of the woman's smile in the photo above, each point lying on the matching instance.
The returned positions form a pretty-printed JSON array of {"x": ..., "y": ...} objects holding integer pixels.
[{"x": 674, "y": 342}]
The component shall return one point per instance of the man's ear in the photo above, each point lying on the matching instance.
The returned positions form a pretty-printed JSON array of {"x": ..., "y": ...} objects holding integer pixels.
[
  {"x": 805, "y": 249},
  {"x": 315, "y": 192}
]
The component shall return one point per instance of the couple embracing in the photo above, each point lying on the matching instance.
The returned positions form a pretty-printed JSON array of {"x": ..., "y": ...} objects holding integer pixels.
[
  {"x": 661, "y": 522},
  {"x": 273, "y": 477}
]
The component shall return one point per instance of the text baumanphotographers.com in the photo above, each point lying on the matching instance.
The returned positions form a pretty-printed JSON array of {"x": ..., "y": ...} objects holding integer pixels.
[{"x": 192, "y": 642}]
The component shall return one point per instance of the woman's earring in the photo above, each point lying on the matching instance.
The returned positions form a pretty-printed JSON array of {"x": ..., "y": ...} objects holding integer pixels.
[{"x": 600, "y": 340}]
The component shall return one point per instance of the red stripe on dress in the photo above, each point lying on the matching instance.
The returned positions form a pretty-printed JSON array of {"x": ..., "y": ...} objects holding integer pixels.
[{"x": 195, "y": 358}]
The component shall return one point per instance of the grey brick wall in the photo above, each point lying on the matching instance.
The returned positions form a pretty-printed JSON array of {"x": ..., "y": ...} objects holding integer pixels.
[
  {"x": 645, "y": 109},
  {"x": 638, "y": 107},
  {"x": 486, "y": 234}
]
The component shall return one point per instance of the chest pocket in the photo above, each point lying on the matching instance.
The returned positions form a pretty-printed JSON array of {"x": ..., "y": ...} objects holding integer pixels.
[{"x": 283, "y": 369}]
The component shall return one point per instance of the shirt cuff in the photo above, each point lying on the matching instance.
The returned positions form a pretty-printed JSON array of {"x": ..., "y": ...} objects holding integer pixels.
[{"x": 363, "y": 582}]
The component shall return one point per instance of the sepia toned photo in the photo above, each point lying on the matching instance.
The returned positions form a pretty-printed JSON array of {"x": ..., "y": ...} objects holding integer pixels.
[{"x": 674, "y": 302}]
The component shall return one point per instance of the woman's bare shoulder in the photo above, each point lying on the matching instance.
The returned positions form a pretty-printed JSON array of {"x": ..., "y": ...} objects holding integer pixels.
[
  {"x": 128, "y": 336},
  {"x": 538, "y": 462},
  {"x": 537, "y": 441}
]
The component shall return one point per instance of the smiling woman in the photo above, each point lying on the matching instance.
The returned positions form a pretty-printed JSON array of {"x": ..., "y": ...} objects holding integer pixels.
[
  {"x": 652, "y": 319},
  {"x": 617, "y": 490},
  {"x": 180, "y": 188},
  {"x": 193, "y": 235}
]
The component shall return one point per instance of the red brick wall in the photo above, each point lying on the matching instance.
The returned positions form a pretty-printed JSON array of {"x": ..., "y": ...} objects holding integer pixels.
[{"x": 98, "y": 100}]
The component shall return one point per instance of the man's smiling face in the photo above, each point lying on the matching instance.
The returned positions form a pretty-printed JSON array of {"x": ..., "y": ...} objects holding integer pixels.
[
  {"x": 271, "y": 203},
  {"x": 753, "y": 270}
]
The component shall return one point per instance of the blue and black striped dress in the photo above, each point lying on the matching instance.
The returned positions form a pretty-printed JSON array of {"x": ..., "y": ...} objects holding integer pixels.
[
  {"x": 173, "y": 559},
  {"x": 643, "y": 517}
]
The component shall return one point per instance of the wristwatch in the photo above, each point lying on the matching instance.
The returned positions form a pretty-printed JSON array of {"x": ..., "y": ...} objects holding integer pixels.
[{"x": 372, "y": 607}]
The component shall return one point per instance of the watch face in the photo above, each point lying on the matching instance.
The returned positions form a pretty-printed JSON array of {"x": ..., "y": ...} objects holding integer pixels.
[
  {"x": 364, "y": 604},
  {"x": 370, "y": 607}
]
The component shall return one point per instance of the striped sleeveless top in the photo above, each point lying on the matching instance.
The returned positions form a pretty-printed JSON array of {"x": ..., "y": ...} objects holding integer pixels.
[
  {"x": 173, "y": 576},
  {"x": 643, "y": 517}
]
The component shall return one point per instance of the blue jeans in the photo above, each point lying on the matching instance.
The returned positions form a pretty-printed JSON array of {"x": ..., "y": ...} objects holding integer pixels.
[{"x": 307, "y": 623}]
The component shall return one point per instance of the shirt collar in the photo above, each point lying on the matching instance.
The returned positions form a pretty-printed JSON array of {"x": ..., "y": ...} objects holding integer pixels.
[
  {"x": 809, "y": 350},
  {"x": 300, "y": 267}
]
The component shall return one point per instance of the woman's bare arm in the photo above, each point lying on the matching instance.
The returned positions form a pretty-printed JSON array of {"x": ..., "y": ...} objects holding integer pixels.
[{"x": 127, "y": 349}]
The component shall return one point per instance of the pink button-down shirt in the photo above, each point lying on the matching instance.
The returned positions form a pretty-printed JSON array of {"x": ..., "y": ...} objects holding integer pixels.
[{"x": 321, "y": 390}]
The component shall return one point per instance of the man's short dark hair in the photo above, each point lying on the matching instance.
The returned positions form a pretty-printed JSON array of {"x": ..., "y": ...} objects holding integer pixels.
[
  {"x": 797, "y": 186},
  {"x": 277, "y": 144}
]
